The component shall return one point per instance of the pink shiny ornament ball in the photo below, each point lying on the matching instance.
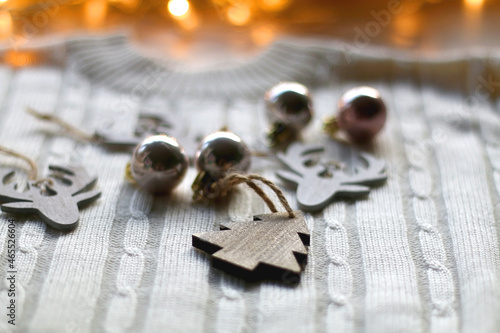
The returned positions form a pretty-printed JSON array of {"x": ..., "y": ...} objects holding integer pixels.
[{"x": 361, "y": 113}]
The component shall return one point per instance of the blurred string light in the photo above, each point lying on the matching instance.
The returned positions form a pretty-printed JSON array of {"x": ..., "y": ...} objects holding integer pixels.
[
  {"x": 408, "y": 25},
  {"x": 20, "y": 58},
  {"x": 273, "y": 5},
  {"x": 242, "y": 12},
  {"x": 129, "y": 6},
  {"x": 473, "y": 13},
  {"x": 263, "y": 34},
  {"x": 406, "y": 29},
  {"x": 239, "y": 13},
  {"x": 181, "y": 11},
  {"x": 411, "y": 7},
  {"x": 5, "y": 24},
  {"x": 95, "y": 12},
  {"x": 190, "y": 22},
  {"x": 256, "y": 14},
  {"x": 473, "y": 4},
  {"x": 178, "y": 8}
]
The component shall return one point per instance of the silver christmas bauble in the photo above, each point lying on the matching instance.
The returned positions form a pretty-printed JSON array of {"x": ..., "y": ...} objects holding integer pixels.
[
  {"x": 220, "y": 152},
  {"x": 289, "y": 104},
  {"x": 158, "y": 164}
]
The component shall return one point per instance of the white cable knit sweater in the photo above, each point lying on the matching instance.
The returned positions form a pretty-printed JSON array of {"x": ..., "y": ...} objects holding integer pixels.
[{"x": 420, "y": 254}]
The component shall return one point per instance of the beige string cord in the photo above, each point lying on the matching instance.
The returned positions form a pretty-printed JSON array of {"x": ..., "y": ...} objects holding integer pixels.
[
  {"x": 63, "y": 124},
  {"x": 33, "y": 173},
  {"x": 230, "y": 181}
]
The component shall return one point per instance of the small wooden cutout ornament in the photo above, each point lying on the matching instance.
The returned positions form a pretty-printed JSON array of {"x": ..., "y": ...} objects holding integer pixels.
[
  {"x": 272, "y": 246},
  {"x": 147, "y": 124},
  {"x": 317, "y": 185},
  {"x": 56, "y": 202}
]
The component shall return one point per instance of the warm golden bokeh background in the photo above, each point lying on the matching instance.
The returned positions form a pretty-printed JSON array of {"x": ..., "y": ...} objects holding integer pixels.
[{"x": 184, "y": 29}]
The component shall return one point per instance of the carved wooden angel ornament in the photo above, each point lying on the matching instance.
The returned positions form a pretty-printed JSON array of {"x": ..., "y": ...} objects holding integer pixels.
[
  {"x": 318, "y": 185},
  {"x": 272, "y": 246},
  {"x": 56, "y": 200}
]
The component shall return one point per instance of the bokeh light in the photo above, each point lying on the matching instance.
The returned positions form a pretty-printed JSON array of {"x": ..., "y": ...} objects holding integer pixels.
[
  {"x": 255, "y": 23},
  {"x": 190, "y": 22},
  {"x": 239, "y": 14},
  {"x": 263, "y": 34},
  {"x": 273, "y": 5},
  {"x": 473, "y": 4},
  {"x": 126, "y": 5},
  {"x": 95, "y": 12},
  {"x": 5, "y": 24},
  {"x": 406, "y": 29},
  {"x": 473, "y": 14},
  {"x": 19, "y": 58},
  {"x": 178, "y": 8}
]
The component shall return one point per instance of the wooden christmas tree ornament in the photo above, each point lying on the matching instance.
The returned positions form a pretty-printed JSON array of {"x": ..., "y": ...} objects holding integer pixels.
[{"x": 272, "y": 246}]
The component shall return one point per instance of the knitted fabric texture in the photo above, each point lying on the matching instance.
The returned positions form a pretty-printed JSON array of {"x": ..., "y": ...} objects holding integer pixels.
[{"x": 419, "y": 254}]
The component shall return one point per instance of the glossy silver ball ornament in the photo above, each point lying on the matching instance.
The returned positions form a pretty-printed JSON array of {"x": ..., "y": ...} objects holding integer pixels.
[
  {"x": 289, "y": 103},
  {"x": 289, "y": 109},
  {"x": 158, "y": 164},
  {"x": 220, "y": 152}
]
